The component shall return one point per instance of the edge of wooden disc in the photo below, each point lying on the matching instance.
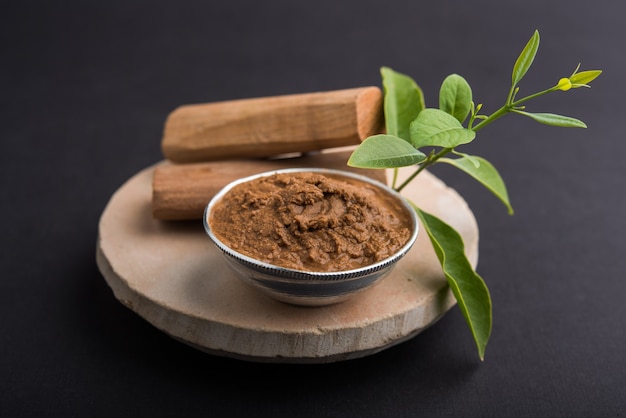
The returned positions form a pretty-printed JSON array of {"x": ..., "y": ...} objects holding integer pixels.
[{"x": 170, "y": 274}]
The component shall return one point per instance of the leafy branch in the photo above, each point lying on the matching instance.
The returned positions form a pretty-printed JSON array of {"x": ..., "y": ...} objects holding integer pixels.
[{"x": 411, "y": 126}]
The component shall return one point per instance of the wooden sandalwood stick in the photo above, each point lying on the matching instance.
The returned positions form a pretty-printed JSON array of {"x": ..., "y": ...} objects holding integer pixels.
[
  {"x": 263, "y": 127},
  {"x": 182, "y": 191}
]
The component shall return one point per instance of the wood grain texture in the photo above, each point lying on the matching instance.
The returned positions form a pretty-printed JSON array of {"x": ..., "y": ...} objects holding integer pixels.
[
  {"x": 182, "y": 191},
  {"x": 268, "y": 126}
]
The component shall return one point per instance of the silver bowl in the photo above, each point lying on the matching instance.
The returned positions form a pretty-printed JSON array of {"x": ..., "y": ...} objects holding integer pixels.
[{"x": 309, "y": 288}]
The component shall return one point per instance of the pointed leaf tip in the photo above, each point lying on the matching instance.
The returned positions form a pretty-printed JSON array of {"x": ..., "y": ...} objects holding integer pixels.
[
  {"x": 554, "y": 120},
  {"x": 385, "y": 151},
  {"x": 468, "y": 287},
  {"x": 525, "y": 59}
]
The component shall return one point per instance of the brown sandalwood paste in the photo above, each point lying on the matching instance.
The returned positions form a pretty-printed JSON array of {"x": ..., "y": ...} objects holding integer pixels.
[{"x": 311, "y": 221}]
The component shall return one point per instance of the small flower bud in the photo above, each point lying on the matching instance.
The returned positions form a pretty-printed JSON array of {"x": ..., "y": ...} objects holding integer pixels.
[{"x": 564, "y": 84}]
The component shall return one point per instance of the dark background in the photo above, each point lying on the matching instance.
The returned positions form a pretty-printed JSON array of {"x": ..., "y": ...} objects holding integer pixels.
[{"x": 85, "y": 90}]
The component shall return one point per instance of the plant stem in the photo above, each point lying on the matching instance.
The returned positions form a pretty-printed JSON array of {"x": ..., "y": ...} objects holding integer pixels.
[
  {"x": 495, "y": 115},
  {"x": 532, "y": 96},
  {"x": 395, "y": 177},
  {"x": 509, "y": 106},
  {"x": 432, "y": 159}
]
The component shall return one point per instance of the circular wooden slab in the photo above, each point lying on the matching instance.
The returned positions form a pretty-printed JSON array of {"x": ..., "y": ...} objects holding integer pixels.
[{"x": 175, "y": 278}]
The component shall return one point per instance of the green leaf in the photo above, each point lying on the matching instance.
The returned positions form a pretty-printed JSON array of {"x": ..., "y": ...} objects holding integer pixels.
[
  {"x": 469, "y": 289},
  {"x": 585, "y": 77},
  {"x": 471, "y": 158},
  {"x": 404, "y": 100},
  {"x": 434, "y": 127},
  {"x": 554, "y": 120},
  {"x": 385, "y": 151},
  {"x": 455, "y": 97},
  {"x": 525, "y": 59},
  {"x": 485, "y": 173}
]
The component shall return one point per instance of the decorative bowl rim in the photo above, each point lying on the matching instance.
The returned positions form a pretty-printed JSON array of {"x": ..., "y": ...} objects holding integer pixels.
[{"x": 296, "y": 274}]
